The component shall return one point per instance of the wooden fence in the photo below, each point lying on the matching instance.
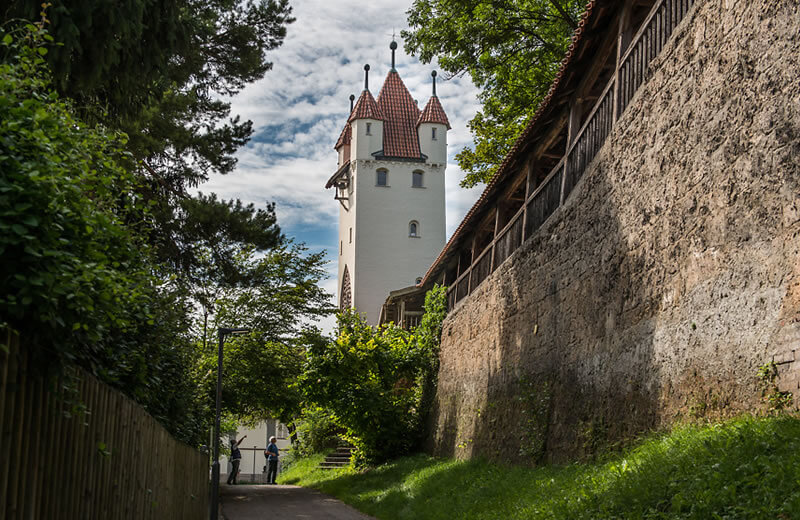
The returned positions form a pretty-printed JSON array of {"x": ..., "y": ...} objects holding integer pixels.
[
  {"x": 74, "y": 448},
  {"x": 630, "y": 73}
]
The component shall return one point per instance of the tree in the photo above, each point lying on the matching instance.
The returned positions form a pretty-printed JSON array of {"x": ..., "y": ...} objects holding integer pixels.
[
  {"x": 77, "y": 277},
  {"x": 156, "y": 69},
  {"x": 205, "y": 239},
  {"x": 510, "y": 48},
  {"x": 280, "y": 305}
]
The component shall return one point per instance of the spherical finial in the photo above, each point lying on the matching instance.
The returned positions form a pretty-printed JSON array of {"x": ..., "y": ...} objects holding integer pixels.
[
  {"x": 366, "y": 67},
  {"x": 433, "y": 74},
  {"x": 352, "y": 97},
  {"x": 393, "y": 45}
]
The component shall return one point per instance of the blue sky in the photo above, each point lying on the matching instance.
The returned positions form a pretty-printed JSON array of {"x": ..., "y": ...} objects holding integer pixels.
[{"x": 300, "y": 107}]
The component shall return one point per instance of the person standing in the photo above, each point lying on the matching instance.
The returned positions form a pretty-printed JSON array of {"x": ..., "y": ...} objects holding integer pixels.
[
  {"x": 236, "y": 459},
  {"x": 272, "y": 453}
]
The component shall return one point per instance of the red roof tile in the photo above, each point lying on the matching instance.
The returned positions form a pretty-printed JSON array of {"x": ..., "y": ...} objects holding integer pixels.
[
  {"x": 433, "y": 113},
  {"x": 366, "y": 108},
  {"x": 345, "y": 137},
  {"x": 400, "y": 137}
]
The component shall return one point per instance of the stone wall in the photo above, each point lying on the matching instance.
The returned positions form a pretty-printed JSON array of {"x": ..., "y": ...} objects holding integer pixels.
[{"x": 668, "y": 278}]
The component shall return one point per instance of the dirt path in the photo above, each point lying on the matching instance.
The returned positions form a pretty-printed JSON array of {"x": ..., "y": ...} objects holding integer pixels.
[{"x": 283, "y": 503}]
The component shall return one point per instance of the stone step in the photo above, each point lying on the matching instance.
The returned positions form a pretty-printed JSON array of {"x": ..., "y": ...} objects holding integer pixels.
[
  {"x": 339, "y": 458},
  {"x": 333, "y": 465}
]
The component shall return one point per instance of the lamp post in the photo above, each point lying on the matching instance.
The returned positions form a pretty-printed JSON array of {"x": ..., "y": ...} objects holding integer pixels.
[{"x": 221, "y": 333}]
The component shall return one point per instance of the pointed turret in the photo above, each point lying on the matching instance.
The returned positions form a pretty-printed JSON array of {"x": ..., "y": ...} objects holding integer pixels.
[
  {"x": 432, "y": 126},
  {"x": 433, "y": 111},
  {"x": 366, "y": 120}
]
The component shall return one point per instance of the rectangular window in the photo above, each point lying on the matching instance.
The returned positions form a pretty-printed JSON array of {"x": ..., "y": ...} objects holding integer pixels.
[
  {"x": 369, "y": 128},
  {"x": 416, "y": 179},
  {"x": 341, "y": 247},
  {"x": 381, "y": 178},
  {"x": 351, "y": 235},
  {"x": 433, "y": 133}
]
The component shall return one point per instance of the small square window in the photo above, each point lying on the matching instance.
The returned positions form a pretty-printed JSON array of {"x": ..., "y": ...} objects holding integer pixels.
[
  {"x": 416, "y": 179},
  {"x": 381, "y": 178}
]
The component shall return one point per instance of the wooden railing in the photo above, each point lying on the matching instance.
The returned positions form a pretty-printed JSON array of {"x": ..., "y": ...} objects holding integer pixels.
[
  {"x": 589, "y": 140},
  {"x": 630, "y": 74},
  {"x": 74, "y": 448},
  {"x": 482, "y": 267},
  {"x": 648, "y": 42}
]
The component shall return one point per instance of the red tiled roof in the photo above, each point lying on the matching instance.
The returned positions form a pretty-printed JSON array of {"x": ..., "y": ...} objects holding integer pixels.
[
  {"x": 503, "y": 169},
  {"x": 433, "y": 113},
  {"x": 345, "y": 137},
  {"x": 400, "y": 137},
  {"x": 366, "y": 108}
]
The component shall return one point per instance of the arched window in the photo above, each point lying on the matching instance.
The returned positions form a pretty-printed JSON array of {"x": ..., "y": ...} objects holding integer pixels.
[
  {"x": 413, "y": 229},
  {"x": 345, "y": 300},
  {"x": 416, "y": 179},
  {"x": 382, "y": 177}
]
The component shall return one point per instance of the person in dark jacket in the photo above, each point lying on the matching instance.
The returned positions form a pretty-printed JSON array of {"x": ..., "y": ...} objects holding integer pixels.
[
  {"x": 236, "y": 459},
  {"x": 272, "y": 453}
]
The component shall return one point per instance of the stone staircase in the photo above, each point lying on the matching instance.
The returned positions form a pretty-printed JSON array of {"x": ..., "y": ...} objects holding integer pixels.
[{"x": 339, "y": 458}]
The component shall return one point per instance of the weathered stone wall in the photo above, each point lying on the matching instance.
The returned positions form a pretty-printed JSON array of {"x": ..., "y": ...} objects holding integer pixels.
[{"x": 671, "y": 274}]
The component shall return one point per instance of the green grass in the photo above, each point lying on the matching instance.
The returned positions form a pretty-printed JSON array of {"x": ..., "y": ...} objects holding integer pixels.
[{"x": 745, "y": 468}]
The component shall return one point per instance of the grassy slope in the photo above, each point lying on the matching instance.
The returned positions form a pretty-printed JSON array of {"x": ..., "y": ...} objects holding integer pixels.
[{"x": 745, "y": 468}]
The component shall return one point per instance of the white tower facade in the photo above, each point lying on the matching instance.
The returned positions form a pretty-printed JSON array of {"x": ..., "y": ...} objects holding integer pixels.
[{"x": 390, "y": 186}]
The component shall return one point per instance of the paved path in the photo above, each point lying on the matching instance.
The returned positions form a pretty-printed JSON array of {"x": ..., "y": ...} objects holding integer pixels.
[{"x": 283, "y": 503}]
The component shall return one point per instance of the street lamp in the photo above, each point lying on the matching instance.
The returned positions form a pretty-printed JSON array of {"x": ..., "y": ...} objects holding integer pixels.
[{"x": 221, "y": 333}]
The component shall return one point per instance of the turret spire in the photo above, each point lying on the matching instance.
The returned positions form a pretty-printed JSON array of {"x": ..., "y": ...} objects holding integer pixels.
[
  {"x": 433, "y": 75},
  {"x": 393, "y": 47},
  {"x": 366, "y": 76},
  {"x": 352, "y": 98}
]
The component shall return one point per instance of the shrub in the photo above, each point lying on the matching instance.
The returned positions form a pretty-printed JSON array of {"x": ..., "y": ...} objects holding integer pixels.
[
  {"x": 378, "y": 381},
  {"x": 317, "y": 431}
]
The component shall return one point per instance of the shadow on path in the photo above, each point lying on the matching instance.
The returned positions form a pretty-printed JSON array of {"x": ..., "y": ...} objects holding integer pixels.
[{"x": 283, "y": 503}]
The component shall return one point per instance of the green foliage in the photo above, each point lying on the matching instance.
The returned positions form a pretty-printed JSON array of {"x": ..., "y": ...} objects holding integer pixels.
[
  {"x": 156, "y": 70},
  {"x": 281, "y": 297},
  {"x": 77, "y": 275},
  {"x": 775, "y": 399},
  {"x": 69, "y": 263},
  {"x": 745, "y": 468},
  {"x": 317, "y": 430},
  {"x": 376, "y": 381},
  {"x": 510, "y": 48}
]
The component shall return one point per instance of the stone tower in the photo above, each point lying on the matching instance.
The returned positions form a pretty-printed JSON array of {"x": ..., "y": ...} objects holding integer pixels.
[{"x": 390, "y": 186}]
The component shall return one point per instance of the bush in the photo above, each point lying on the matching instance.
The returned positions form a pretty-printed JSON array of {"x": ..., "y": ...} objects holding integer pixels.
[
  {"x": 78, "y": 280},
  {"x": 317, "y": 431},
  {"x": 71, "y": 267},
  {"x": 378, "y": 382}
]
